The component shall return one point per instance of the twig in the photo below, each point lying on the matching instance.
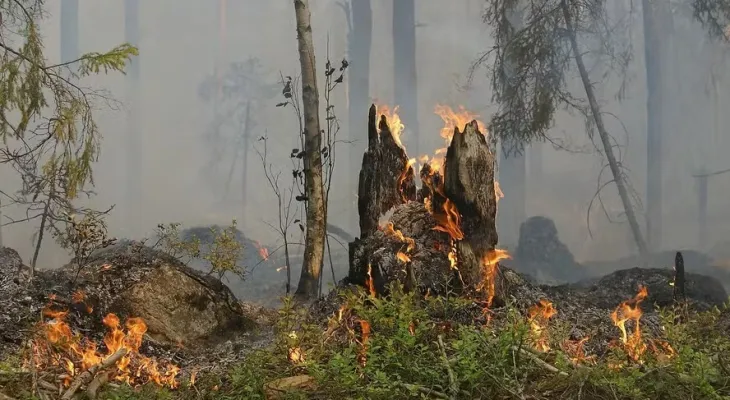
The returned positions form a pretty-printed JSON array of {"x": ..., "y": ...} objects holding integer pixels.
[
  {"x": 453, "y": 386},
  {"x": 97, "y": 383},
  {"x": 5, "y": 397},
  {"x": 88, "y": 374},
  {"x": 423, "y": 390},
  {"x": 539, "y": 361}
]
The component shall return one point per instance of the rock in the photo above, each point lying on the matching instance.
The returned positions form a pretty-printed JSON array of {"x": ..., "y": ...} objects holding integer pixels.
[
  {"x": 179, "y": 304},
  {"x": 10, "y": 266},
  {"x": 542, "y": 255}
]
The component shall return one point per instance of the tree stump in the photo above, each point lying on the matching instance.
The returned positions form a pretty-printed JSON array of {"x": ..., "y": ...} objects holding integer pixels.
[{"x": 439, "y": 236}]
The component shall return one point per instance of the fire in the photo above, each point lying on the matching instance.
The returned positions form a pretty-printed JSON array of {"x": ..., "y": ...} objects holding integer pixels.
[
  {"x": 538, "y": 316},
  {"x": 394, "y": 122},
  {"x": 489, "y": 272},
  {"x": 263, "y": 251},
  {"x": 370, "y": 284},
  {"x": 630, "y": 310},
  {"x": 452, "y": 120},
  {"x": 576, "y": 351},
  {"x": 390, "y": 230},
  {"x": 59, "y": 346},
  {"x": 362, "y": 355},
  {"x": 403, "y": 257}
]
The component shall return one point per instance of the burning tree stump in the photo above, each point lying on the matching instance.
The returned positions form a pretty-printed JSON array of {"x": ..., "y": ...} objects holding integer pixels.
[{"x": 440, "y": 238}]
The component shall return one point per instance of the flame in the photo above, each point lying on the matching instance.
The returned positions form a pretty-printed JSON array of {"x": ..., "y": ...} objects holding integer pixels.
[
  {"x": 390, "y": 230},
  {"x": 295, "y": 353},
  {"x": 61, "y": 347},
  {"x": 394, "y": 121},
  {"x": 362, "y": 355},
  {"x": 576, "y": 351},
  {"x": 538, "y": 316},
  {"x": 489, "y": 272},
  {"x": 403, "y": 257},
  {"x": 263, "y": 251},
  {"x": 370, "y": 284},
  {"x": 630, "y": 310}
]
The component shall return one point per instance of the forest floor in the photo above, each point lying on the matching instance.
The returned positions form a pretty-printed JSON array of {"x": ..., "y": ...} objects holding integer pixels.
[{"x": 407, "y": 347}]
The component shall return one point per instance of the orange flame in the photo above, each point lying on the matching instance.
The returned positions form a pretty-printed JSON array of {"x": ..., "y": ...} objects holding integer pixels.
[
  {"x": 263, "y": 251},
  {"x": 61, "y": 347},
  {"x": 362, "y": 355},
  {"x": 489, "y": 272},
  {"x": 630, "y": 310},
  {"x": 394, "y": 121},
  {"x": 370, "y": 284},
  {"x": 538, "y": 316}
]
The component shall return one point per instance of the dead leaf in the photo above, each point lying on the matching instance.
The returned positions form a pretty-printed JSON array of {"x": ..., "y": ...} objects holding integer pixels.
[{"x": 275, "y": 390}]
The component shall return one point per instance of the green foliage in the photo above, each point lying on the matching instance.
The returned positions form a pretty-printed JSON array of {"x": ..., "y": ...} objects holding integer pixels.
[
  {"x": 83, "y": 236},
  {"x": 48, "y": 133},
  {"x": 223, "y": 253}
]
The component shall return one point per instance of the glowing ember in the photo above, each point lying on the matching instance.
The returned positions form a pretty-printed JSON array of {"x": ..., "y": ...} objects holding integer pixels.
[
  {"x": 575, "y": 350},
  {"x": 538, "y": 316},
  {"x": 394, "y": 122},
  {"x": 630, "y": 310},
  {"x": 403, "y": 257},
  {"x": 59, "y": 346}
]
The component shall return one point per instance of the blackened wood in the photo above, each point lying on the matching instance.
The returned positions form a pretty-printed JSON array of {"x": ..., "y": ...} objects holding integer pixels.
[
  {"x": 386, "y": 179},
  {"x": 469, "y": 184},
  {"x": 679, "y": 281}
]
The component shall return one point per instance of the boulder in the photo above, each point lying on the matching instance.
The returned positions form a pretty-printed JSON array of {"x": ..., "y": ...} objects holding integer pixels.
[
  {"x": 178, "y": 304},
  {"x": 542, "y": 255}
]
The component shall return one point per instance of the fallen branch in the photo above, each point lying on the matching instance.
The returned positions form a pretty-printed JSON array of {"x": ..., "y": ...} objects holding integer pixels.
[
  {"x": 453, "y": 386},
  {"x": 5, "y": 397},
  {"x": 539, "y": 361},
  {"x": 97, "y": 383},
  {"x": 88, "y": 374}
]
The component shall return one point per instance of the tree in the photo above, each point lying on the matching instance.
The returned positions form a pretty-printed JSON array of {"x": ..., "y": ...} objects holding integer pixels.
[
  {"x": 404, "y": 68},
  {"x": 512, "y": 170},
  {"x": 314, "y": 189},
  {"x": 543, "y": 51},
  {"x": 235, "y": 95},
  {"x": 48, "y": 132},
  {"x": 359, "y": 41}
]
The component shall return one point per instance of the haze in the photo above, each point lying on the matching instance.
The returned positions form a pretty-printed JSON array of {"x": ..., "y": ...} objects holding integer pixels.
[{"x": 180, "y": 46}]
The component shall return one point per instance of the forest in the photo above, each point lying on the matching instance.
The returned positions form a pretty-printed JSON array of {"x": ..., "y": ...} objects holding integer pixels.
[{"x": 431, "y": 267}]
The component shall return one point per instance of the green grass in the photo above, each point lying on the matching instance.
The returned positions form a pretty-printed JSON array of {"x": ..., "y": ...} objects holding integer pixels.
[{"x": 410, "y": 340}]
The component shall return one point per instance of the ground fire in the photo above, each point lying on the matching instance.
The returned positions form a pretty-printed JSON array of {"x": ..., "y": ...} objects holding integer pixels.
[{"x": 57, "y": 346}]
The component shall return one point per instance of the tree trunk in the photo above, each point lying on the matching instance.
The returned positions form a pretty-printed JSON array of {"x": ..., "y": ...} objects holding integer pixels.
[
  {"x": 244, "y": 173},
  {"x": 359, "y": 40},
  {"x": 512, "y": 167},
  {"x": 404, "y": 70},
  {"x": 653, "y": 53},
  {"x": 315, "y": 234},
  {"x": 134, "y": 151},
  {"x": 603, "y": 133},
  {"x": 69, "y": 30}
]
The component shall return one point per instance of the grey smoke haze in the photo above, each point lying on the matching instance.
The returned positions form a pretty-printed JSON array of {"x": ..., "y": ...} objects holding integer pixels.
[{"x": 179, "y": 49}]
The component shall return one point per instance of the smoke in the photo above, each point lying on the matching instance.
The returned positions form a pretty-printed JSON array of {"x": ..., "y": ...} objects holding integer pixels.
[{"x": 179, "y": 50}]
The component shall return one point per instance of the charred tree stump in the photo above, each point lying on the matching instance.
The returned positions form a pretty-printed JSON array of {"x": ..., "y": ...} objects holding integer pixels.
[
  {"x": 386, "y": 180},
  {"x": 469, "y": 184},
  {"x": 438, "y": 239}
]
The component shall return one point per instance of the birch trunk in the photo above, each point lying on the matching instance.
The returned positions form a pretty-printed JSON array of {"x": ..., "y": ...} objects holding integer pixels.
[{"x": 315, "y": 233}]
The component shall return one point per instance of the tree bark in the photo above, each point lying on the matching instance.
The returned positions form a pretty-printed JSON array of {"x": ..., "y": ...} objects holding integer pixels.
[
  {"x": 469, "y": 184},
  {"x": 359, "y": 42},
  {"x": 405, "y": 86},
  {"x": 654, "y": 50},
  {"x": 603, "y": 133},
  {"x": 315, "y": 233}
]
